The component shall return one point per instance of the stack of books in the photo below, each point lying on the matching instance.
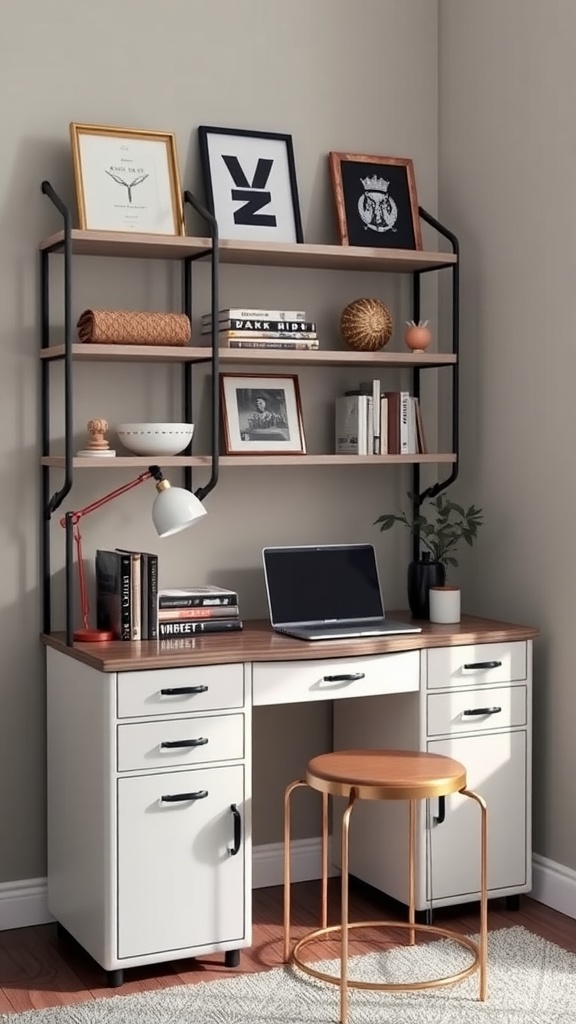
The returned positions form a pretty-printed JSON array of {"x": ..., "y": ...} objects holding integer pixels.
[
  {"x": 127, "y": 593},
  {"x": 188, "y": 610},
  {"x": 262, "y": 328},
  {"x": 369, "y": 421}
]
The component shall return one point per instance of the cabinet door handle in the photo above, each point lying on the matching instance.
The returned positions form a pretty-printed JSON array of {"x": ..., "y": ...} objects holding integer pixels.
[
  {"x": 233, "y": 850},
  {"x": 348, "y": 677},
  {"x": 484, "y": 664},
  {"x": 172, "y": 691},
  {"x": 175, "y": 798},
  {"x": 170, "y": 744},
  {"x": 441, "y": 816},
  {"x": 482, "y": 711}
]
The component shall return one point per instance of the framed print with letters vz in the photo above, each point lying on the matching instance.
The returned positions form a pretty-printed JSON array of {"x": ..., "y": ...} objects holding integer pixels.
[
  {"x": 250, "y": 182},
  {"x": 376, "y": 202}
]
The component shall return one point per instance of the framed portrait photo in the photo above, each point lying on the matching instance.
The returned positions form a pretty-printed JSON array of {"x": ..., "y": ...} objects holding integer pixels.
[
  {"x": 376, "y": 201},
  {"x": 126, "y": 180},
  {"x": 250, "y": 183},
  {"x": 262, "y": 415}
]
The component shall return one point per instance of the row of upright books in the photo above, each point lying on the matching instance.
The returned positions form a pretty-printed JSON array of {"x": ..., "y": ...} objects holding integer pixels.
[
  {"x": 369, "y": 421},
  {"x": 262, "y": 328},
  {"x": 129, "y": 602},
  {"x": 127, "y": 593}
]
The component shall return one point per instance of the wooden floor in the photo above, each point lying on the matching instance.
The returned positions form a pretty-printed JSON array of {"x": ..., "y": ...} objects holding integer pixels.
[{"x": 37, "y": 969}]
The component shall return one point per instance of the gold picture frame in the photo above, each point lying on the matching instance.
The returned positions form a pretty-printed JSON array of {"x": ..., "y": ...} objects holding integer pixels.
[
  {"x": 376, "y": 200},
  {"x": 127, "y": 180},
  {"x": 261, "y": 414}
]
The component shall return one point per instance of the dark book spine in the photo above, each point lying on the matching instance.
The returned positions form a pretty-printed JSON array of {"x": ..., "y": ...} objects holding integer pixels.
[
  {"x": 197, "y": 601},
  {"x": 125, "y": 581},
  {"x": 179, "y": 628},
  {"x": 152, "y": 580}
]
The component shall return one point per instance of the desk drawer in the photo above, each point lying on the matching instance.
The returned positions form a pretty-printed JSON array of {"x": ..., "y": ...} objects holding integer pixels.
[
  {"x": 290, "y": 682},
  {"x": 503, "y": 707},
  {"x": 217, "y": 738},
  {"x": 474, "y": 664},
  {"x": 202, "y": 688}
]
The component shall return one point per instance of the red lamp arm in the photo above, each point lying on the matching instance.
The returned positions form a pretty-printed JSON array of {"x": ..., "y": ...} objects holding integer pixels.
[{"x": 75, "y": 518}]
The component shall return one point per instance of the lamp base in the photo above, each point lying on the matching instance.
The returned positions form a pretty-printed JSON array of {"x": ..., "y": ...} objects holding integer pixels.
[{"x": 90, "y": 636}]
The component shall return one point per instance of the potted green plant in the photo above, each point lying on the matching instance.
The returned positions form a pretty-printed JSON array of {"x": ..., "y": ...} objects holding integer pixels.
[{"x": 440, "y": 525}]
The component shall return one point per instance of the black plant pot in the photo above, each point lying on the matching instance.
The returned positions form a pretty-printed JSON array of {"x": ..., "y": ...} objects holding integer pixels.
[{"x": 421, "y": 576}]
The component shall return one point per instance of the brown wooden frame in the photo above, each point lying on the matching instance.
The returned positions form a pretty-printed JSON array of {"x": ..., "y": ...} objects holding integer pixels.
[
  {"x": 379, "y": 236},
  {"x": 234, "y": 441}
]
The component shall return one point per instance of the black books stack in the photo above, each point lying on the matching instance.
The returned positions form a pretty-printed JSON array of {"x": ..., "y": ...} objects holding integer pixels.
[
  {"x": 188, "y": 610},
  {"x": 262, "y": 328},
  {"x": 127, "y": 593}
]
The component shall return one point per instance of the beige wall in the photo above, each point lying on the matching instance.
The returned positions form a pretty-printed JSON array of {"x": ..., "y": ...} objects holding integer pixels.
[
  {"x": 507, "y": 157},
  {"x": 337, "y": 75}
]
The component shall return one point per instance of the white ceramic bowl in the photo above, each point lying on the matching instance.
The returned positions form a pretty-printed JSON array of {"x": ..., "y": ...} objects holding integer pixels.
[{"x": 155, "y": 438}]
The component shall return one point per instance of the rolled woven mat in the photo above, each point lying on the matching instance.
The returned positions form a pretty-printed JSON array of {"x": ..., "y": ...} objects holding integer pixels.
[{"x": 120, "y": 327}]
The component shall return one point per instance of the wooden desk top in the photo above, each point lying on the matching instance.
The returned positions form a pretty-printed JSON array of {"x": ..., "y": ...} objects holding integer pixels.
[{"x": 258, "y": 642}]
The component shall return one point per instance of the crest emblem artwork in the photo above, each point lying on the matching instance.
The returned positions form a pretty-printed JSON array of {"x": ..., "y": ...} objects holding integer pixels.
[
  {"x": 376, "y": 206},
  {"x": 376, "y": 202}
]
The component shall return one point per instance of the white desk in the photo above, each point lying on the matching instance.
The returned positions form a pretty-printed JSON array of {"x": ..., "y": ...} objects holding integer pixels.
[{"x": 149, "y": 772}]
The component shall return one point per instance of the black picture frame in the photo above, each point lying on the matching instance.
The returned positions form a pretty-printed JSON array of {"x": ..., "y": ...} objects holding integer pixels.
[
  {"x": 250, "y": 184},
  {"x": 376, "y": 201}
]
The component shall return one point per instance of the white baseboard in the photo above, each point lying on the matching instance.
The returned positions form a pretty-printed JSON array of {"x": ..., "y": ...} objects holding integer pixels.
[
  {"x": 25, "y": 903},
  {"x": 305, "y": 862},
  {"x": 554, "y": 885}
]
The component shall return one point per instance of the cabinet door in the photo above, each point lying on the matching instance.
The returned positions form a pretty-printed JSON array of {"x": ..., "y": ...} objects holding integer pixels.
[
  {"x": 179, "y": 886},
  {"x": 496, "y": 769}
]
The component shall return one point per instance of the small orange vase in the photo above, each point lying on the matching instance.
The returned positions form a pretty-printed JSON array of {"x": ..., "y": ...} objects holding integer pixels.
[{"x": 417, "y": 336}]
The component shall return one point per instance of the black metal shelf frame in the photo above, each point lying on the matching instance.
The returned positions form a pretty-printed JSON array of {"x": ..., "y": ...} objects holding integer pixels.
[
  {"x": 52, "y": 501},
  {"x": 441, "y": 485}
]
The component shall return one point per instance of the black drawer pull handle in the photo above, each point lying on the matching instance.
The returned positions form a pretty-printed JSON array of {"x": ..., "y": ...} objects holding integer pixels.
[
  {"x": 484, "y": 664},
  {"x": 173, "y": 691},
  {"x": 233, "y": 850},
  {"x": 349, "y": 677},
  {"x": 171, "y": 744},
  {"x": 441, "y": 816},
  {"x": 482, "y": 711},
  {"x": 175, "y": 798}
]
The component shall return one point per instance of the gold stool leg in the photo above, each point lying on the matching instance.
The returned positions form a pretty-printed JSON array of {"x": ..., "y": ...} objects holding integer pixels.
[
  {"x": 411, "y": 871},
  {"x": 344, "y": 910},
  {"x": 288, "y": 793},
  {"x": 324, "y": 921},
  {"x": 483, "y": 891}
]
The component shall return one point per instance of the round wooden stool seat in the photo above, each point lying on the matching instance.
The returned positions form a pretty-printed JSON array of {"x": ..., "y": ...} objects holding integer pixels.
[
  {"x": 386, "y": 774},
  {"x": 409, "y": 775}
]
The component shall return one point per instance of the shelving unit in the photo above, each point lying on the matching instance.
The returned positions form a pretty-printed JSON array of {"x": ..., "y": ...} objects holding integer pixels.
[{"x": 69, "y": 243}]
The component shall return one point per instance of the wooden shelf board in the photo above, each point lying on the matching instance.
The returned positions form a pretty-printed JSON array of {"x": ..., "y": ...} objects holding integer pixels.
[
  {"x": 295, "y": 357},
  {"x": 205, "y": 461},
  {"x": 275, "y": 254}
]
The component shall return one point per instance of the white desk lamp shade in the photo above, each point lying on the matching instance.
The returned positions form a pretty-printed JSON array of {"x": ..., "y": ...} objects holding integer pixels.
[{"x": 174, "y": 509}]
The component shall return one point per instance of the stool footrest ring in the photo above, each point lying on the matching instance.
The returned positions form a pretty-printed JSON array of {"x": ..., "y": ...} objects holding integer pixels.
[{"x": 404, "y": 986}]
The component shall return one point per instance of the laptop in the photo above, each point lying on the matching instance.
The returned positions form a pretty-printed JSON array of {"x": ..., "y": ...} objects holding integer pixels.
[{"x": 327, "y": 592}]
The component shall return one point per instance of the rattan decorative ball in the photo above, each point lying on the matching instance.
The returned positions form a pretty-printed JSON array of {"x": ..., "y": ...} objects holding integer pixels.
[{"x": 366, "y": 325}]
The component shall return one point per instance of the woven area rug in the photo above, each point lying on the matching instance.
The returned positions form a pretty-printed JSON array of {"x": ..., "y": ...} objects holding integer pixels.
[{"x": 530, "y": 981}]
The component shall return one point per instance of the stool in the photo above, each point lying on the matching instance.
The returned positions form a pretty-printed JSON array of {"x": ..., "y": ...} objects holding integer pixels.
[{"x": 382, "y": 775}]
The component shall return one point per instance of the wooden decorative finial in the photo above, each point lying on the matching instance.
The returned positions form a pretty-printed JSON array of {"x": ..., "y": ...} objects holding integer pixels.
[{"x": 97, "y": 442}]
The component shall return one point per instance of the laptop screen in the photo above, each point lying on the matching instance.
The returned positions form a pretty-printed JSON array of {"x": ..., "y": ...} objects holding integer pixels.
[{"x": 322, "y": 583}]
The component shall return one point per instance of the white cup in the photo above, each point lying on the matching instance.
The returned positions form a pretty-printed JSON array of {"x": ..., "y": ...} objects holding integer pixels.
[{"x": 444, "y": 604}]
